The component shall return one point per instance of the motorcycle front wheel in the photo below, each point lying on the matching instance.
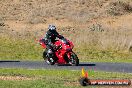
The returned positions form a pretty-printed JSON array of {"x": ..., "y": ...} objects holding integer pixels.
[{"x": 74, "y": 59}]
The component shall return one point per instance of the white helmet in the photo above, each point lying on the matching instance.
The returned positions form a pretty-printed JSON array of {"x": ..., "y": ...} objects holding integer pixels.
[{"x": 52, "y": 28}]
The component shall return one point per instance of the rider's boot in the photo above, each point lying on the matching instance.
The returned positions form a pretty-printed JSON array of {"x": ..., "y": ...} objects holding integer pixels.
[
  {"x": 47, "y": 61},
  {"x": 51, "y": 60},
  {"x": 50, "y": 55}
]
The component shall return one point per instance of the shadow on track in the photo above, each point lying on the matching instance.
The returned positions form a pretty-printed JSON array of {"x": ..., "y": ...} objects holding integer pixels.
[
  {"x": 78, "y": 65},
  {"x": 2, "y": 61},
  {"x": 87, "y": 65}
]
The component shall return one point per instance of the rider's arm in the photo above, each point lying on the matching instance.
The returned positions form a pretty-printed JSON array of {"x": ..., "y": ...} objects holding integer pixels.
[
  {"x": 48, "y": 41},
  {"x": 58, "y": 35}
]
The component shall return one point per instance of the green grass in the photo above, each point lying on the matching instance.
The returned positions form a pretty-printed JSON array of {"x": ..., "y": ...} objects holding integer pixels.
[
  {"x": 97, "y": 55},
  {"x": 19, "y": 49},
  {"x": 51, "y": 78},
  {"x": 28, "y": 49}
]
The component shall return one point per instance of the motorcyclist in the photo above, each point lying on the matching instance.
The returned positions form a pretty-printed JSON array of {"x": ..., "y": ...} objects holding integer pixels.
[{"x": 49, "y": 38}]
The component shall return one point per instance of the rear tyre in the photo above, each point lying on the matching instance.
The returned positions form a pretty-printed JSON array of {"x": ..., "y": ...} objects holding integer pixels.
[{"x": 74, "y": 60}]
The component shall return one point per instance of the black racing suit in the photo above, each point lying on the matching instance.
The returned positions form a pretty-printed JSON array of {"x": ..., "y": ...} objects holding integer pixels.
[{"x": 49, "y": 40}]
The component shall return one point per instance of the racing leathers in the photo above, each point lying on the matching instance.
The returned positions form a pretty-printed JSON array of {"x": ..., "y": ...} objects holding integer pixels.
[{"x": 50, "y": 38}]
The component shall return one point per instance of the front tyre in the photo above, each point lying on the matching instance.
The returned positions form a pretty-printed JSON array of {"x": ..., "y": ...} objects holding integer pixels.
[{"x": 74, "y": 59}]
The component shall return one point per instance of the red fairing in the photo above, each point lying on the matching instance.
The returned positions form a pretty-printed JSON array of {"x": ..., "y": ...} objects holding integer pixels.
[
  {"x": 65, "y": 48},
  {"x": 42, "y": 43}
]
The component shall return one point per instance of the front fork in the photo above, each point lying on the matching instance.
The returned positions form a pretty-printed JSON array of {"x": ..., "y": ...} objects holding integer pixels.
[{"x": 67, "y": 57}]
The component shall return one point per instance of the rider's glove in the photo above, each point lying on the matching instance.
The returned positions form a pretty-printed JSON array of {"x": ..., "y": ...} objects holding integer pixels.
[
  {"x": 54, "y": 47},
  {"x": 57, "y": 47}
]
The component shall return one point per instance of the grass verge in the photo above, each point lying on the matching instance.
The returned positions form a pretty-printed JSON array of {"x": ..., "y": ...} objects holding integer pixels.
[
  {"x": 51, "y": 78},
  {"x": 19, "y": 49},
  {"x": 97, "y": 55},
  {"x": 28, "y": 49}
]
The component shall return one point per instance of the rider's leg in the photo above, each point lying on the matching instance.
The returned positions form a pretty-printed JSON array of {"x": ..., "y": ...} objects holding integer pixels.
[{"x": 50, "y": 55}]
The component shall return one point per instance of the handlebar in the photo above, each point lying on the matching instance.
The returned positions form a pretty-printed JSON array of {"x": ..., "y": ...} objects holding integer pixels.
[{"x": 59, "y": 47}]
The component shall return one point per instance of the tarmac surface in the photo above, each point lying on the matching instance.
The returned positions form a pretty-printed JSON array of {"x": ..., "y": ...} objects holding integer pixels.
[{"x": 97, "y": 66}]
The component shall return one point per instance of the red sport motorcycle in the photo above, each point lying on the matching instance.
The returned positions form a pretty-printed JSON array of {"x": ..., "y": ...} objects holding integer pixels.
[{"x": 63, "y": 53}]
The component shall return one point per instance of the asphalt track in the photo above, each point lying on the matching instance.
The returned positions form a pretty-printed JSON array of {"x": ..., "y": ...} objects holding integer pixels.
[{"x": 100, "y": 66}]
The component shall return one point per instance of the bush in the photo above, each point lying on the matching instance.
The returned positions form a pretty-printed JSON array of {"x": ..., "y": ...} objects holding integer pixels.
[{"x": 119, "y": 7}]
